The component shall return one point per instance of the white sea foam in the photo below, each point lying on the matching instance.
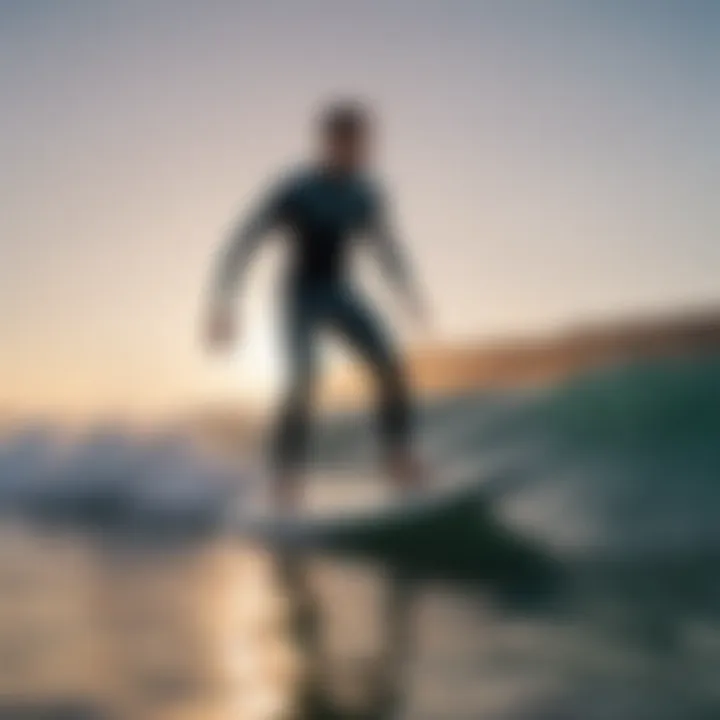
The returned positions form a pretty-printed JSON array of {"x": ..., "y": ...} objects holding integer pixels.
[{"x": 116, "y": 471}]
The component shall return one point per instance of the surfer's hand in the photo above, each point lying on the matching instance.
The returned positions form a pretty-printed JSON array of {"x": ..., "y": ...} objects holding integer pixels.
[{"x": 221, "y": 330}]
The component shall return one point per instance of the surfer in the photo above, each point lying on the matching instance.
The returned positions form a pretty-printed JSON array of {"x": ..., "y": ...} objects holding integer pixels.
[{"x": 321, "y": 209}]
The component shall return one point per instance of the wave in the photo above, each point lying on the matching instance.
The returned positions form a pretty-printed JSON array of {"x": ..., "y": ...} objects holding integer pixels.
[
  {"x": 630, "y": 462},
  {"x": 110, "y": 474},
  {"x": 636, "y": 459}
]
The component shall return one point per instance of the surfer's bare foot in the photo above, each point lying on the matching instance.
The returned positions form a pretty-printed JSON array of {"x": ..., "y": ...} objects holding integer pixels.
[{"x": 407, "y": 472}]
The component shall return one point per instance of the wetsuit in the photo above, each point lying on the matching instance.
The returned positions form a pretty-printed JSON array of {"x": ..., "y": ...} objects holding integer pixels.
[{"x": 321, "y": 213}]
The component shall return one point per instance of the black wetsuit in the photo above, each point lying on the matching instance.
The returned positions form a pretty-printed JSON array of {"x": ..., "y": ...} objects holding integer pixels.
[{"x": 321, "y": 213}]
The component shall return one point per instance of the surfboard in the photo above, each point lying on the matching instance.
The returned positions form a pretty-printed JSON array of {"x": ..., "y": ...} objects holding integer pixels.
[{"x": 387, "y": 514}]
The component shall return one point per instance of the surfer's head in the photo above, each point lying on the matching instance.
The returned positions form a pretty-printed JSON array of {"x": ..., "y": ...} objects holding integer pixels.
[{"x": 345, "y": 135}]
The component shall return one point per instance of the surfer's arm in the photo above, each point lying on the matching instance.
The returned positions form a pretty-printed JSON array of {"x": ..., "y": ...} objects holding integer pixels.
[
  {"x": 381, "y": 232},
  {"x": 221, "y": 327},
  {"x": 236, "y": 253}
]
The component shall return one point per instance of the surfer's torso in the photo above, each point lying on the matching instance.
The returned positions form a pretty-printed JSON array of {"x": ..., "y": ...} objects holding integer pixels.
[{"x": 322, "y": 212}]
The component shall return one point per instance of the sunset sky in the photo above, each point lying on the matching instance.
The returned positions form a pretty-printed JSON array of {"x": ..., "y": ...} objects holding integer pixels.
[{"x": 551, "y": 160}]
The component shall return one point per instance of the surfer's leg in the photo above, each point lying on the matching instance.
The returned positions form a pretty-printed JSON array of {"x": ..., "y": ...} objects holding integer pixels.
[
  {"x": 358, "y": 324},
  {"x": 291, "y": 433}
]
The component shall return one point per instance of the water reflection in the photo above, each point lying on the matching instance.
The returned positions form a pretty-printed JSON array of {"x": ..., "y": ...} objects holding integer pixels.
[
  {"x": 354, "y": 628},
  {"x": 111, "y": 627},
  {"x": 105, "y": 627},
  {"x": 94, "y": 626}
]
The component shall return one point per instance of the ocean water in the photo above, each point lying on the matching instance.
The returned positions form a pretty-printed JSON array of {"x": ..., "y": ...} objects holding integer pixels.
[{"x": 580, "y": 582}]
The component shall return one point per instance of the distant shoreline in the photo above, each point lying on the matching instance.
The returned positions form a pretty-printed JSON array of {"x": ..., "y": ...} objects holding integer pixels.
[
  {"x": 465, "y": 367},
  {"x": 514, "y": 362}
]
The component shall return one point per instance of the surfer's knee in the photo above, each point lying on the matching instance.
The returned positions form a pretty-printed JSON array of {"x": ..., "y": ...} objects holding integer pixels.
[
  {"x": 393, "y": 385},
  {"x": 300, "y": 390}
]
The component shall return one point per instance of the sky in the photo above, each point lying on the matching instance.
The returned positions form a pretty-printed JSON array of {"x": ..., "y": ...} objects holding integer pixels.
[{"x": 549, "y": 161}]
